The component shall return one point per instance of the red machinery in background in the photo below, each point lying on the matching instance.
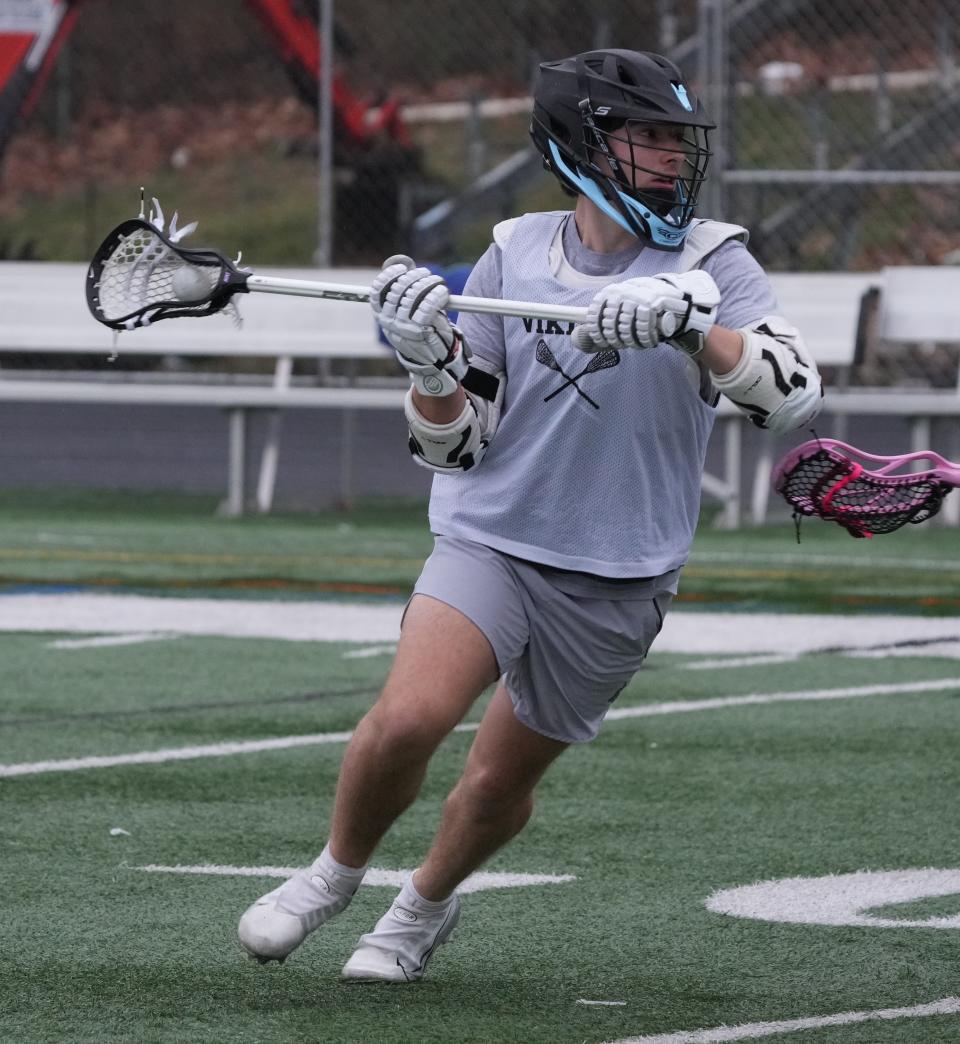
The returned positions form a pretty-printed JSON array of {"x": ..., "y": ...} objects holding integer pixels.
[
  {"x": 295, "y": 35},
  {"x": 31, "y": 36},
  {"x": 373, "y": 155},
  {"x": 32, "y": 33}
]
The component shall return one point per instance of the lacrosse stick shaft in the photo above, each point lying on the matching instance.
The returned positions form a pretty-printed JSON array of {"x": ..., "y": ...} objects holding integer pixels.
[{"x": 353, "y": 292}]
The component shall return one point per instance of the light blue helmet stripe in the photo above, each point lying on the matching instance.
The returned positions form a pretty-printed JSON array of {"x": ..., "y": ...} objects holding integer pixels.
[
  {"x": 589, "y": 188},
  {"x": 681, "y": 92},
  {"x": 662, "y": 233}
]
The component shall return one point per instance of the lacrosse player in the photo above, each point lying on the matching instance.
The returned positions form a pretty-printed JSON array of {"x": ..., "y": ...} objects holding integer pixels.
[{"x": 568, "y": 464}]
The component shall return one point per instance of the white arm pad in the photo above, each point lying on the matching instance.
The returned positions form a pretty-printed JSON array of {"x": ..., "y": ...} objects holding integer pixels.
[
  {"x": 460, "y": 444},
  {"x": 776, "y": 382}
]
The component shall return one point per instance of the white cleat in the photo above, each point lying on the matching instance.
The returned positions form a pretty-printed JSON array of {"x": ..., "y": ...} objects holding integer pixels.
[
  {"x": 278, "y": 922},
  {"x": 404, "y": 940}
]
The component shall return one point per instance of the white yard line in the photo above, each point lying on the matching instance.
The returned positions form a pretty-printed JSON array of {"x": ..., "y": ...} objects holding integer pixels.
[
  {"x": 753, "y": 698},
  {"x": 714, "y": 634},
  {"x": 109, "y": 639},
  {"x": 702, "y": 633},
  {"x": 210, "y": 750},
  {"x": 156, "y": 757},
  {"x": 212, "y": 617},
  {"x": 741, "y": 661},
  {"x": 755, "y": 1030},
  {"x": 372, "y": 650},
  {"x": 800, "y": 558},
  {"x": 219, "y": 750},
  {"x": 479, "y": 882},
  {"x": 946, "y": 649}
]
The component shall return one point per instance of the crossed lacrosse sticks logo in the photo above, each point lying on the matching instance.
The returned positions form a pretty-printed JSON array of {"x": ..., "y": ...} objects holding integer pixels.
[{"x": 600, "y": 361}]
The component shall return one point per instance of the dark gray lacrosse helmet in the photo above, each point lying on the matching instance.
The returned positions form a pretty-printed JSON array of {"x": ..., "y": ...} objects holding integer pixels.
[{"x": 582, "y": 103}]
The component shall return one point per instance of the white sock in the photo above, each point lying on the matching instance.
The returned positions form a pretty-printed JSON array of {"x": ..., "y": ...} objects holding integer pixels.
[
  {"x": 329, "y": 865},
  {"x": 302, "y": 894},
  {"x": 410, "y": 894}
]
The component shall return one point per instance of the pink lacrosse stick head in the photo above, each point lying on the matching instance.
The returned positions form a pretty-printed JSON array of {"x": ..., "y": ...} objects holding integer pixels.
[{"x": 863, "y": 492}]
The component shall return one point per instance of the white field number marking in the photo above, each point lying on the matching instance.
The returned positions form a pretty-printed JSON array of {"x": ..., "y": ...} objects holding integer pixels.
[
  {"x": 841, "y": 899},
  {"x": 481, "y": 881},
  {"x": 837, "y": 899}
]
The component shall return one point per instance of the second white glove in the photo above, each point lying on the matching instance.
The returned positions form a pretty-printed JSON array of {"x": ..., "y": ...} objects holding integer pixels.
[
  {"x": 676, "y": 307},
  {"x": 409, "y": 304}
]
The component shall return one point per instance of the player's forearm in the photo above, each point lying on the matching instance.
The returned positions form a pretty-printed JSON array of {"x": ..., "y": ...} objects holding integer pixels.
[
  {"x": 722, "y": 349},
  {"x": 440, "y": 409}
]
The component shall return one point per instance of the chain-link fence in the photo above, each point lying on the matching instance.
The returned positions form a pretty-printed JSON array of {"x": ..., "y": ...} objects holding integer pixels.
[{"x": 838, "y": 141}]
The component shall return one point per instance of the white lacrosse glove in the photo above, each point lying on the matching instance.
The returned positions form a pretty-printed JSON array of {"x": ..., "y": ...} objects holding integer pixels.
[
  {"x": 676, "y": 307},
  {"x": 409, "y": 305}
]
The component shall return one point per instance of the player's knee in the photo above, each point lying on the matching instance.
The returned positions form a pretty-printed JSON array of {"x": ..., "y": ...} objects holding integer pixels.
[
  {"x": 491, "y": 794},
  {"x": 398, "y": 732}
]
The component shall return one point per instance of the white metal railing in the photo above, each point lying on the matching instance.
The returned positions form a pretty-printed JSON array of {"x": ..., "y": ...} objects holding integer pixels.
[{"x": 42, "y": 311}]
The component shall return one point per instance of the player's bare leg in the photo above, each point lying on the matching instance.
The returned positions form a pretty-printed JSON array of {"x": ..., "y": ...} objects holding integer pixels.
[
  {"x": 492, "y": 801},
  {"x": 443, "y": 663},
  {"x": 489, "y": 805}
]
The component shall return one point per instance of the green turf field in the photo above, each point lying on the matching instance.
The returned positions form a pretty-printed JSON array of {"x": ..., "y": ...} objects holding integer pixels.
[{"x": 812, "y": 767}]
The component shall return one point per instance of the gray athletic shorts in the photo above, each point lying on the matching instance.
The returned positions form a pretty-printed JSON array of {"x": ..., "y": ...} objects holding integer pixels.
[{"x": 566, "y": 643}]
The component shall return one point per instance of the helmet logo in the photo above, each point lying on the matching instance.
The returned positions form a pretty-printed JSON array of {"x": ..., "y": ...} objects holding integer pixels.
[{"x": 681, "y": 92}]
